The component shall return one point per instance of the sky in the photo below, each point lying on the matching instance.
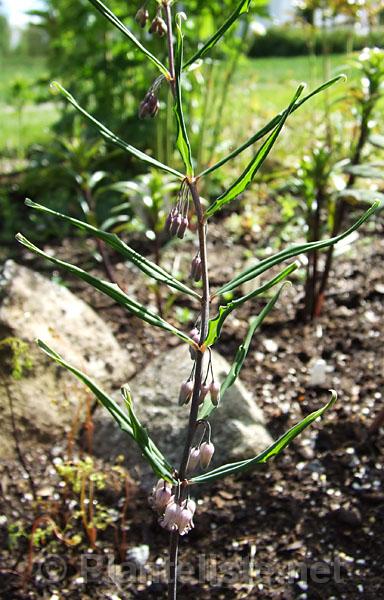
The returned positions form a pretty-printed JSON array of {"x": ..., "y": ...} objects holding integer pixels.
[{"x": 16, "y": 9}]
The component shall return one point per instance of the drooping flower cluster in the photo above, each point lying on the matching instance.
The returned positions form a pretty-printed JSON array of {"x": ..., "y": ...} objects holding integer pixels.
[
  {"x": 149, "y": 107},
  {"x": 174, "y": 515},
  {"x": 201, "y": 455},
  {"x": 177, "y": 220},
  {"x": 158, "y": 25}
]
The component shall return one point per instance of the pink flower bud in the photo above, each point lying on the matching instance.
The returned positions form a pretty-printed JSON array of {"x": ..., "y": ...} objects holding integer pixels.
[
  {"x": 161, "y": 498},
  {"x": 191, "y": 505},
  {"x": 194, "y": 334},
  {"x": 203, "y": 392},
  {"x": 215, "y": 393},
  {"x": 184, "y": 520},
  {"x": 183, "y": 227},
  {"x": 169, "y": 520},
  {"x": 185, "y": 393},
  {"x": 206, "y": 452},
  {"x": 161, "y": 483},
  {"x": 194, "y": 459}
]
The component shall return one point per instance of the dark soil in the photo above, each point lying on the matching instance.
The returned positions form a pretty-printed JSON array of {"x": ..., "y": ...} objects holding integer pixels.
[{"x": 308, "y": 525}]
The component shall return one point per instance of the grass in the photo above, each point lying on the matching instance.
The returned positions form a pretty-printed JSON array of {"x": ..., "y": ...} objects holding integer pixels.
[
  {"x": 36, "y": 119},
  {"x": 261, "y": 88}
]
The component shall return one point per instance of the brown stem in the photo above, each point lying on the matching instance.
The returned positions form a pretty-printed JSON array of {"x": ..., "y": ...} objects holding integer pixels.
[
  {"x": 341, "y": 207},
  {"x": 106, "y": 262},
  {"x": 204, "y": 318}
]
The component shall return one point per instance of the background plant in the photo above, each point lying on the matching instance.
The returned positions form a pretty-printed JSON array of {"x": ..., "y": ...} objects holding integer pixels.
[{"x": 171, "y": 497}]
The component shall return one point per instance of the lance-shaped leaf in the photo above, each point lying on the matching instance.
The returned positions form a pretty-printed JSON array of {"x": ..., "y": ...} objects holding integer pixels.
[
  {"x": 111, "y": 290},
  {"x": 273, "y": 450},
  {"x": 108, "y": 14},
  {"x": 241, "y": 8},
  {"x": 207, "y": 408},
  {"x": 377, "y": 140},
  {"x": 276, "y": 259},
  {"x": 215, "y": 325},
  {"x": 357, "y": 196},
  {"x": 182, "y": 140},
  {"x": 142, "y": 263},
  {"x": 113, "y": 138},
  {"x": 124, "y": 421},
  {"x": 248, "y": 174},
  {"x": 146, "y": 445},
  {"x": 367, "y": 171},
  {"x": 269, "y": 126}
]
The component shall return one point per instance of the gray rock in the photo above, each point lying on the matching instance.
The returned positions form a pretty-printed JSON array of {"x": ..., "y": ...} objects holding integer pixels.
[
  {"x": 238, "y": 426},
  {"x": 47, "y": 399}
]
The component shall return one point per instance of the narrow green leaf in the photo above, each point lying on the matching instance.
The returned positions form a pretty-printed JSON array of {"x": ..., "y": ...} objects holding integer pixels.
[
  {"x": 377, "y": 140},
  {"x": 151, "y": 453},
  {"x": 357, "y": 196},
  {"x": 241, "y": 8},
  {"x": 248, "y": 174},
  {"x": 276, "y": 259},
  {"x": 108, "y": 14},
  {"x": 111, "y": 290},
  {"x": 126, "y": 422},
  {"x": 182, "y": 140},
  {"x": 215, "y": 325},
  {"x": 207, "y": 408},
  {"x": 271, "y": 125},
  {"x": 273, "y": 450},
  {"x": 114, "y": 139},
  {"x": 367, "y": 171},
  {"x": 112, "y": 407},
  {"x": 142, "y": 263}
]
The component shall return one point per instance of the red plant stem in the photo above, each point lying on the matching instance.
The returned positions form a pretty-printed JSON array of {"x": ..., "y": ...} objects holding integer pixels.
[{"x": 193, "y": 415}]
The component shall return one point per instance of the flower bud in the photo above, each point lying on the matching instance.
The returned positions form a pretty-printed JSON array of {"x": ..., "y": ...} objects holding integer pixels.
[
  {"x": 194, "y": 459},
  {"x": 169, "y": 520},
  {"x": 196, "y": 269},
  {"x": 158, "y": 26},
  {"x": 215, "y": 393},
  {"x": 191, "y": 505},
  {"x": 185, "y": 393},
  {"x": 206, "y": 452},
  {"x": 168, "y": 221},
  {"x": 194, "y": 334},
  {"x": 182, "y": 228},
  {"x": 161, "y": 498},
  {"x": 204, "y": 389},
  {"x": 175, "y": 224},
  {"x": 184, "y": 520},
  {"x": 149, "y": 107},
  {"x": 142, "y": 16}
]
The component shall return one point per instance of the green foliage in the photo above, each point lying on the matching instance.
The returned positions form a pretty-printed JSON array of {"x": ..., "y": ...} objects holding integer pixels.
[
  {"x": 127, "y": 422},
  {"x": 210, "y": 329},
  {"x": 5, "y": 36},
  {"x": 298, "y": 41},
  {"x": 275, "y": 449},
  {"x": 20, "y": 359}
]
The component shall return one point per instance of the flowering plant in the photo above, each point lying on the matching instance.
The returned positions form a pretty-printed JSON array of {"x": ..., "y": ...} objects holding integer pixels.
[{"x": 171, "y": 495}]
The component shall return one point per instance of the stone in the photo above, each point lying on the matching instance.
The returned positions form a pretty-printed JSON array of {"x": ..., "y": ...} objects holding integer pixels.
[
  {"x": 48, "y": 400},
  {"x": 238, "y": 425}
]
